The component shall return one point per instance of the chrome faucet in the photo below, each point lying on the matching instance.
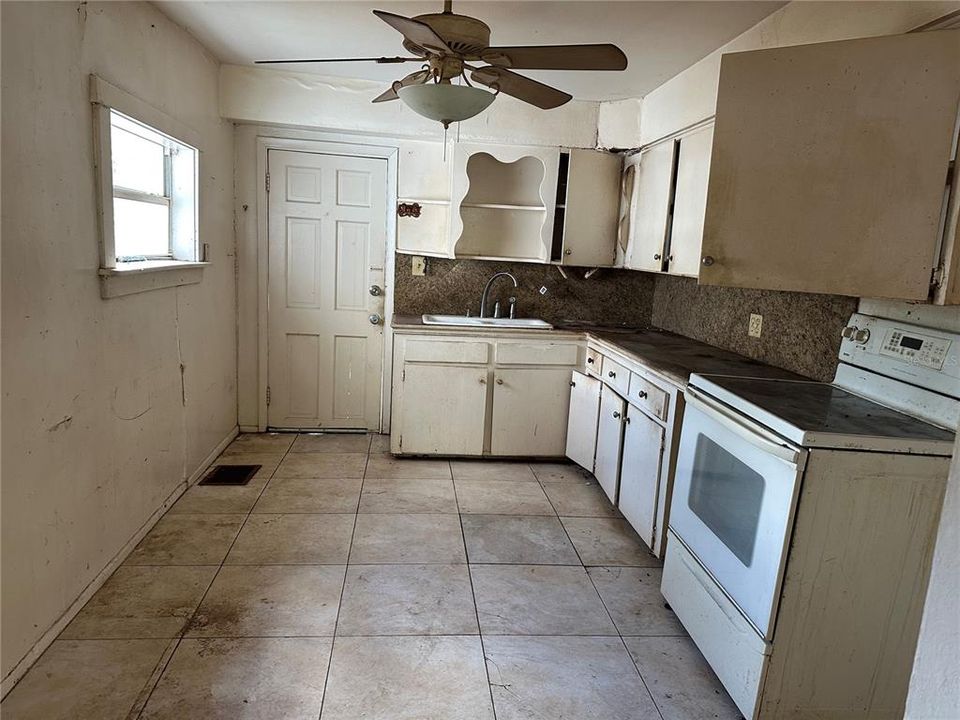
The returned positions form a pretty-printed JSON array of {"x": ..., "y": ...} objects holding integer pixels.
[{"x": 486, "y": 291}]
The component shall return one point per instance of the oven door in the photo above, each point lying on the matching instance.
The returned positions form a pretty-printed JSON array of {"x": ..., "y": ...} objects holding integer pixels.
[{"x": 733, "y": 502}]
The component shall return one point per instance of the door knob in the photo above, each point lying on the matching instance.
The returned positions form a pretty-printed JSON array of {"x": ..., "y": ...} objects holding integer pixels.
[
  {"x": 707, "y": 260},
  {"x": 376, "y": 290},
  {"x": 375, "y": 319}
]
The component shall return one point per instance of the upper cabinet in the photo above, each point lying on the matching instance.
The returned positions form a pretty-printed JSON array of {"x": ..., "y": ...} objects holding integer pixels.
[
  {"x": 827, "y": 170},
  {"x": 423, "y": 199},
  {"x": 503, "y": 201},
  {"x": 829, "y": 166},
  {"x": 587, "y": 209}
]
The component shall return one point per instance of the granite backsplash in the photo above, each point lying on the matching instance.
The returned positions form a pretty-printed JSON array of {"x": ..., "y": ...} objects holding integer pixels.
[
  {"x": 609, "y": 297},
  {"x": 801, "y": 331}
]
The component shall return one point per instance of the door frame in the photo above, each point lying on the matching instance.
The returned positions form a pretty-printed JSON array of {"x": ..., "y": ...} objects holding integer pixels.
[{"x": 324, "y": 147}]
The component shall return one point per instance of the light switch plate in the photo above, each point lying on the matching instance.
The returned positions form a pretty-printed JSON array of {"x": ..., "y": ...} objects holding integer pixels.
[
  {"x": 418, "y": 265},
  {"x": 756, "y": 325}
]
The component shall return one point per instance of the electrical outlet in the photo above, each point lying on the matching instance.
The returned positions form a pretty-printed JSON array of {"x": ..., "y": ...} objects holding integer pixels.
[
  {"x": 418, "y": 265},
  {"x": 756, "y": 325}
]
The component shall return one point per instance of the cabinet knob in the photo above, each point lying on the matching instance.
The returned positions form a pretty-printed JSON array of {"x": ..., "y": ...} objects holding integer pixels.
[
  {"x": 568, "y": 251},
  {"x": 656, "y": 256},
  {"x": 572, "y": 384},
  {"x": 499, "y": 381},
  {"x": 642, "y": 394},
  {"x": 611, "y": 374},
  {"x": 483, "y": 381},
  {"x": 627, "y": 420},
  {"x": 616, "y": 415},
  {"x": 589, "y": 361},
  {"x": 375, "y": 319},
  {"x": 707, "y": 260}
]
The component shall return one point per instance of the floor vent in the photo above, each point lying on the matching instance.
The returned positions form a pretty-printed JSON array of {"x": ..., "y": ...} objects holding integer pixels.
[{"x": 230, "y": 475}]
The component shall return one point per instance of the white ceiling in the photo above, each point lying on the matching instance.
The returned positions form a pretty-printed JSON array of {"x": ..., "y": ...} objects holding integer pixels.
[{"x": 659, "y": 38}]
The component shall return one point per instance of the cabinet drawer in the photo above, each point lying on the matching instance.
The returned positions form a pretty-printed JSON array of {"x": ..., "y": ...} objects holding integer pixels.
[
  {"x": 594, "y": 361},
  {"x": 648, "y": 396},
  {"x": 446, "y": 351},
  {"x": 615, "y": 375},
  {"x": 517, "y": 353}
]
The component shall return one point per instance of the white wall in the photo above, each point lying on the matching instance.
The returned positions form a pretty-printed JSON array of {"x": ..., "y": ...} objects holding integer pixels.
[
  {"x": 98, "y": 432},
  {"x": 691, "y": 96},
  {"x": 255, "y": 95}
]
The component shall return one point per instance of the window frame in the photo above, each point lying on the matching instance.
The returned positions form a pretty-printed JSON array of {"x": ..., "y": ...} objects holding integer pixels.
[{"x": 187, "y": 257}]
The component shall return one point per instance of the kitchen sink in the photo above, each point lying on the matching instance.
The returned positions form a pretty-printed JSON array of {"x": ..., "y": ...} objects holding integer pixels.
[{"x": 465, "y": 321}]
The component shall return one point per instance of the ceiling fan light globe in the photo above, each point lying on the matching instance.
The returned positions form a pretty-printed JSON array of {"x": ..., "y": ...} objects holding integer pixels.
[{"x": 445, "y": 103}]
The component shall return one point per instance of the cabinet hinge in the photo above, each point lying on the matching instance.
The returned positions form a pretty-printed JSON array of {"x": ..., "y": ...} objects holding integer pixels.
[
  {"x": 266, "y": 182},
  {"x": 268, "y": 394},
  {"x": 400, "y": 443},
  {"x": 936, "y": 276},
  {"x": 403, "y": 375}
]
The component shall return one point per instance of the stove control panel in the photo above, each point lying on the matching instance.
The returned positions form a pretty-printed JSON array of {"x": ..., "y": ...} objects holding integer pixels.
[
  {"x": 924, "y": 357},
  {"x": 916, "y": 347}
]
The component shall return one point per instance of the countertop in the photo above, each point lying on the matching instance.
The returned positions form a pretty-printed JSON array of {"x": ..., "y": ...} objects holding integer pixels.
[{"x": 673, "y": 357}]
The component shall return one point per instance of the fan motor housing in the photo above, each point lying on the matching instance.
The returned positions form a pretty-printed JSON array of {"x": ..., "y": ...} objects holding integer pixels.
[{"x": 464, "y": 35}]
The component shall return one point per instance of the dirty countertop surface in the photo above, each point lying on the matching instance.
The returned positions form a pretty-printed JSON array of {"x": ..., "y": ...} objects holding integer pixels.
[{"x": 673, "y": 357}]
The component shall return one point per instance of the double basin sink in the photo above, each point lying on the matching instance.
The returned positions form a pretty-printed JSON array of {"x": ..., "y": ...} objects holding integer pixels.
[{"x": 466, "y": 321}]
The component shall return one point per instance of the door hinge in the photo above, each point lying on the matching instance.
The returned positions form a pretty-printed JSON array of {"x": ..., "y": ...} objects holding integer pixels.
[
  {"x": 268, "y": 394},
  {"x": 267, "y": 182}
]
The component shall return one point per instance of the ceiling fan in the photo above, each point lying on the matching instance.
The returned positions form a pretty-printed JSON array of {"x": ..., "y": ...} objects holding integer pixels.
[{"x": 449, "y": 45}]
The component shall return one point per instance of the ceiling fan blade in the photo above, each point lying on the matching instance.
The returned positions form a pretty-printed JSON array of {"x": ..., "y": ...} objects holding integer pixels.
[
  {"x": 520, "y": 87},
  {"x": 378, "y": 60},
  {"x": 411, "y": 79},
  {"x": 419, "y": 33},
  {"x": 603, "y": 56}
]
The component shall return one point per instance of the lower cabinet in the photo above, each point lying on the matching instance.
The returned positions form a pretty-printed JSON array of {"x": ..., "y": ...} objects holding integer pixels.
[
  {"x": 643, "y": 442},
  {"x": 582, "y": 419},
  {"x": 609, "y": 442},
  {"x": 481, "y": 395},
  {"x": 450, "y": 420},
  {"x": 529, "y": 405}
]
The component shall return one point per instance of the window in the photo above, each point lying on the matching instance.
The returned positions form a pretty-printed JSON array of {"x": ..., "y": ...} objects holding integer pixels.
[
  {"x": 147, "y": 164},
  {"x": 154, "y": 198}
]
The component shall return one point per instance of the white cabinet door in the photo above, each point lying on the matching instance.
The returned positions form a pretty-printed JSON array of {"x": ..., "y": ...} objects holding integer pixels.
[
  {"x": 828, "y": 165},
  {"x": 443, "y": 409},
  {"x": 582, "y": 420},
  {"x": 651, "y": 208},
  {"x": 609, "y": 442},
  {"x": 640, "y": 473},
  {"x": 690, "y": 201},
  {"x": 592, "y": 201},
  {"x": 530, "y": 407}
]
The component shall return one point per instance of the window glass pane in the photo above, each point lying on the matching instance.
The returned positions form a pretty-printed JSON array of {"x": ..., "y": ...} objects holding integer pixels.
[
  {"x": 137, "y": 161},
  {"x": 727, "y": 496},
  {"x": 140, "y": 228}
]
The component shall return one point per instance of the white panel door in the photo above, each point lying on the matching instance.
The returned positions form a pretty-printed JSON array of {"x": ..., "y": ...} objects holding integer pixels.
[
  {"x": 609, "y": 442},
  {"x": 327, "y": 217},
  {"x": 442, "y": 409},
  {"x": 530, "y": 407},
  {"x": 640, "y": 473},
  {"x": 582, "y": 419}
]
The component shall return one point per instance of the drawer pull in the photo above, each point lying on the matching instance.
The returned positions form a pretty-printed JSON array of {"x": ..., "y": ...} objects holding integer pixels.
[
  {"x": 642, "y": 394},
  {"x": 589, "y": 361},
  {"x": 611, "y": 374}
]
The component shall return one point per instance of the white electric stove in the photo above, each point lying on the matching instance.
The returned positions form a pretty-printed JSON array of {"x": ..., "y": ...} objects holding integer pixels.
[{"x": 780, "y": 489}]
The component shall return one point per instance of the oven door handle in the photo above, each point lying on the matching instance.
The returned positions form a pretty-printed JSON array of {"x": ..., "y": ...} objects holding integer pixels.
[{"x": 753, "y": 434}]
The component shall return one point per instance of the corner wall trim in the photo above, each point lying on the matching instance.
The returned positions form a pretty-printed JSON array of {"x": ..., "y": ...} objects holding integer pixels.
[{"x": 34, "y": 653}]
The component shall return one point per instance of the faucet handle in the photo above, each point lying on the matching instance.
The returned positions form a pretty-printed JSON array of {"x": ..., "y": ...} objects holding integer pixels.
[{"x": 513, "y": 307}]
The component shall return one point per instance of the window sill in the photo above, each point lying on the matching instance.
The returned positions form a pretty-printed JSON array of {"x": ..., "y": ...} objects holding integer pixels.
[{"x": 138, "y": 277}]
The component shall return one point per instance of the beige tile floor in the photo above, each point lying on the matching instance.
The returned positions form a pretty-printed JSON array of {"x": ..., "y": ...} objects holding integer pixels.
[{"x": 343, "y": 583}]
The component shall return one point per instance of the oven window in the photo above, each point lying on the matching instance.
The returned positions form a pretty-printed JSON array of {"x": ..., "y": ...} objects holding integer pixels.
[{"x": 726, "y": 495}]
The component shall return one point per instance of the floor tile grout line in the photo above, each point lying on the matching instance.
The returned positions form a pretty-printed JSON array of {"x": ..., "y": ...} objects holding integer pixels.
[
  {"x": 476, "y": 607},
  {"x": 203, "y": 597},
  {"x": 343, "y": 584}
]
